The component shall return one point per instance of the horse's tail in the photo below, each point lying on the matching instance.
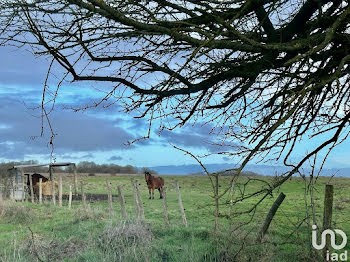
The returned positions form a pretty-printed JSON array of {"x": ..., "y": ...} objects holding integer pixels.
[{"x": 161, "y": 181}]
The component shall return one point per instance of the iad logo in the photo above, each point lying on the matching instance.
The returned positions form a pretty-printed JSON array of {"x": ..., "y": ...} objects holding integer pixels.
[{"x": 330, "y": 256}]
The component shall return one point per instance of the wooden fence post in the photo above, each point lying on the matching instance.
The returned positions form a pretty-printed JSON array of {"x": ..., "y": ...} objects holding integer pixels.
[
  {"x": 31, "y": 188},
  {"x": 53, "y": 190},
  {"x": 327, "y": 215},
  {"x": 1, "y": 200},
  {"x": 231, "y": 193},
  {"x": 24, "y": 185},
  {"x": 110, "y": 205},
  {"x": 139, "y": 199},
  {"x": 216, "y": 197},
  {"x": 182, "y": 210},
  {"x": 60, "y": 191},
  {"x": 136, "y": 201},
  {"x": 83, "y": 197},
  {"x": 40, "y": 191},
  {"x": 270, "y": 216},
  {"x": 13, "y": 189},
  {"x": 165, "y": 208},
  {"x": 75, "y": 180},
  {"x": 70, "y": 197},
  {"x": 122, "y": 201}
]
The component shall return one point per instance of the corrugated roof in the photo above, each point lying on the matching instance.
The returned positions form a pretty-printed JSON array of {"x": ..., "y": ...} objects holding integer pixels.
[{"x": 39, "y": 165}]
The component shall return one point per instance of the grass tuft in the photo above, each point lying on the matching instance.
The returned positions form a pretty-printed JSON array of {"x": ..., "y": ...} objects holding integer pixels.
[
  {"x": 126, "y": 241},
  {"x": 39, "y": 248},
  {"x": 16, "y": 213},
  {"x": 89, "y": 214}
]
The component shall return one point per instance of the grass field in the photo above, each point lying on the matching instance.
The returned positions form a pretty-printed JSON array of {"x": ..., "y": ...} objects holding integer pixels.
[{"x": 33, "y": 232}]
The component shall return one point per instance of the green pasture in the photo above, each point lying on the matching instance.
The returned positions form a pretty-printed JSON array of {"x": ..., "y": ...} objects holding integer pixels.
[{"x": 33, "y": 232}]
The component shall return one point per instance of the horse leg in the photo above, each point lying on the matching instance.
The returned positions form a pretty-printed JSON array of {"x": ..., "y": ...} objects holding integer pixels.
[
  {"x": 152, "y": 193},
  {"x": 160, "y": 192},
  {"x": 149, "y": 191}
]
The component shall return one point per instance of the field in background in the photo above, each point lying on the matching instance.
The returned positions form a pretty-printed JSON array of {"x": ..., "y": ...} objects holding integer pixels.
[{"x": 30, "y": 232}]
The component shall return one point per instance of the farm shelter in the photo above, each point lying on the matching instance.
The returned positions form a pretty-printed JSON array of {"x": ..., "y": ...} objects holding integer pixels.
[{"x": 17, "y": 183}]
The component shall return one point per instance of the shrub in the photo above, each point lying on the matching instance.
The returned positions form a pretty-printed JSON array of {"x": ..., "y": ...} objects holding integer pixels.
[
  {"x": 121, "y": 241},
  {"x": 43, "y": 249},
  {"x": 126, "y": 233}
]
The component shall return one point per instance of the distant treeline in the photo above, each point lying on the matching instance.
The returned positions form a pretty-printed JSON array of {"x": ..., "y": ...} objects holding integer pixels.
[
  {"x": 92, "y": 167},
  {"x": 229, "y": 173},
  {"x": 82, "y": 167},
  {"x": 243, "y": 173}
]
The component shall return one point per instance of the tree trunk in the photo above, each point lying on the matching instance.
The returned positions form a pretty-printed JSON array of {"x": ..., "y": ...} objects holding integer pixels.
[{"x": 270, "y": 216}]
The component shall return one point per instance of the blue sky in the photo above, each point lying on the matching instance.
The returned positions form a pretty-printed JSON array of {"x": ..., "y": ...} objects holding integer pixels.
[{"x": 98, "y": 134}]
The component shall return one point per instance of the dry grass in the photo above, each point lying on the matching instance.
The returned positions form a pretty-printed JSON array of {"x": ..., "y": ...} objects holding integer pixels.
[
  {"x": 89, "y": 214},
  {"x": 15, "y": 212},
  {"x": 126, "y": 233},
  {"x": 39, "y": 248},
  {"x": 126, "y": 241}
]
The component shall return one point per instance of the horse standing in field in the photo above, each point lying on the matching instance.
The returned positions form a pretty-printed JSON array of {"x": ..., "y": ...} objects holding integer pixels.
[
  {"x": 35, "y": 182},
  {"x": 154, "y": 183},
  {"x": 35, "y": 179}
]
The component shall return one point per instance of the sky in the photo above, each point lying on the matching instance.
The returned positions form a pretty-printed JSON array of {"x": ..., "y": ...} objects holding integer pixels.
[{"x": 98, "y": 135}]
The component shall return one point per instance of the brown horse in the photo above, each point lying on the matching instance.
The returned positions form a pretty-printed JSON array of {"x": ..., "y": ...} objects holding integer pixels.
[
  {"x": 154, "y": 183},
  {"x": 35, "y": 180}
]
